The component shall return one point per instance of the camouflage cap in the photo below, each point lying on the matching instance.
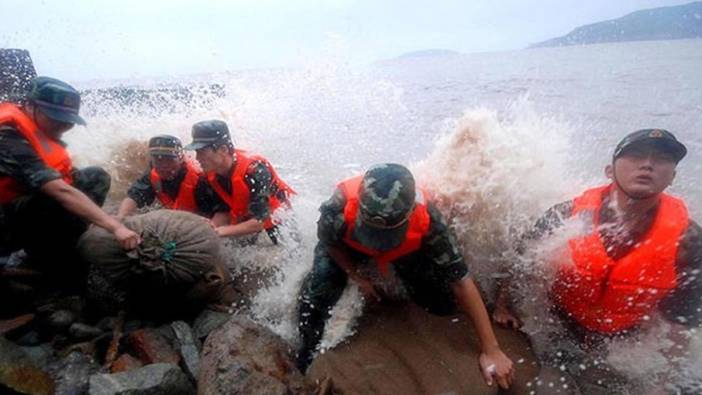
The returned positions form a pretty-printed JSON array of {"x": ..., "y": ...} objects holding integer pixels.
[
  {"x": 165, "y": 145},
  {"x": 386, "y": 200},
  {"x": 56, "y": 99},
  {"x": 661, "y": 138},
  {"x": 209, "y": 133}
]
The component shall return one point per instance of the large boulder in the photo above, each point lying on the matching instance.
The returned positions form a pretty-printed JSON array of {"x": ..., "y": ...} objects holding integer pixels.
[
  {"x": 18, "y": 374},
  {"x": 404, "y": 350},
  {"x": 242, "y": 357},
  {"x": 155, "y": 379}
]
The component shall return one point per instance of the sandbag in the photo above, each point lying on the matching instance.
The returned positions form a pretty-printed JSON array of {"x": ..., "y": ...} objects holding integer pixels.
[{"x": 178, "y": 266}]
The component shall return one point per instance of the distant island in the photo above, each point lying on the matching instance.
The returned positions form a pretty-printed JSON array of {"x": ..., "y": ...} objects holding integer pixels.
[
  {"x": 427, "y": 53},
  {"x": 664, "y": 23}
]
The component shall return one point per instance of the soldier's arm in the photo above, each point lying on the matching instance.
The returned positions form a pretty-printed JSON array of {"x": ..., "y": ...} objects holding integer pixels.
[
  {"x": 259, "y": 179},
  {"x": 76, "y": 202},
  {"x": 19, "y": 161},
  {"x": 683, "y": 306},
  {"x": 552, "y": 219},
  {"x": 139, "y": 194}
]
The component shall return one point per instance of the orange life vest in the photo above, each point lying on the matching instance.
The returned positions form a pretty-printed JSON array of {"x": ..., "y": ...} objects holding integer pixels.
[
  {"x": 238, "y": 200},
  {"x": 51, "y": 152},
  {"x": 185, "y": 200},
  {"x": 607, "y": 295},
  {"x": 418, "y": 226}
]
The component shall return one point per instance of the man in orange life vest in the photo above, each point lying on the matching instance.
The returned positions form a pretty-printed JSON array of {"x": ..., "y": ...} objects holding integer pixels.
[
  {"x": 46, "y": 204},
  {"x": 381, "y": 217},
  {"x": 640, "y": 255},
  {"x": 248, "y": 184},
  {"x": 172, "y": 179}
]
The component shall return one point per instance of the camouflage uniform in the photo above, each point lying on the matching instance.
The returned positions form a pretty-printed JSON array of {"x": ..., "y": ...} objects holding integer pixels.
[
  {"x": 34, "y": 221},
  {"x": 425, "y": 274}
]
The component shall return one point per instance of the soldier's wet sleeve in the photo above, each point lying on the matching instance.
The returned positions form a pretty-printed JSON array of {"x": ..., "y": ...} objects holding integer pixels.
[
  {"x": 552, "y": 219},
  {"x": 440, "y": 246},
  {"x": 684, "y": 304},
  {"x": 331, "y": 225},
  {"x": 19, "y": 161},
  {"x": 207, "y": 200},
  {"x": 259, "y": 178},
  {"x": 141, "y": 190}
]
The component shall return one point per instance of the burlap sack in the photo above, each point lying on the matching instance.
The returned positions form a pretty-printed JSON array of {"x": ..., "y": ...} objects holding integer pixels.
[{"x": 178, "y": 266}]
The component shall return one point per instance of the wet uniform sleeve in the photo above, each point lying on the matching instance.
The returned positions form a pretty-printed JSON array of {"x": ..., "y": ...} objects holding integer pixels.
[
  {"x": 441, "y": 248},
  {"x": 141, "y": 190},
  {"x": 259, "y": 178},
  {"x": 207, "y": 200},
  {"x": 684, "y": 305},
  {"x": 19, "y": 161},
  {"x": 331, "y": 226},
  {"x": 552, "y": 219}
]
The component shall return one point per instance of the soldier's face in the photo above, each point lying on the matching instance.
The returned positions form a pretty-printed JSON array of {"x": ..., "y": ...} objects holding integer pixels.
[
  {"x": 50, "y": 126},
  {"x": 166, "y": 166},
  {"x": 643, "y": 171},
  {"x": 212, "y": 159}
]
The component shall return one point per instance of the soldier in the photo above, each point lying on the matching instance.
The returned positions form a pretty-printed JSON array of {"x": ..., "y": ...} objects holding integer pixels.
[
  {"x": 248, "y": 184},
  {"x": 381, "y": 218},
  {"x": 639, "y": 253},
  {"x": 173, "y": 180},
  {"x": 45, "y": 203}
]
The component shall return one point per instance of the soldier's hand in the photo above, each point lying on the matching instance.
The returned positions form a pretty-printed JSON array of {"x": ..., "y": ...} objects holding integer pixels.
[
  {"x": 127, "y": 238},
  {"x": 504, "y": 317},
  {"x": 496, "y": 366},
  {"x": 368, "y": 290}
]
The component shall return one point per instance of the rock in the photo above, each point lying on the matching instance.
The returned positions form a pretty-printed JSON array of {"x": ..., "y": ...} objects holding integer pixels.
[
  {"x": 188, "y": 347},
  {"x": 72, "y": 373},
  {"x": 40, "y": 355},
  {"x": 125, "y": 363},
  {"x": 9, "y": 326},
  {"x": 403, "y": 349},
  {"x": 61, "y": 320},
  {"x": 155, "y": 379},
  {"x": 31, "y": 338},
  {"x": 132, "y": 325},
  {"x": 208, "y": 321},
  {"x": 107, "y": 324},
  {"x": 151, "y": 347},
  {"x": 82, "y": 331},
  {"x": 242, "y": 357},
  {"x": 18, "y": 373}
]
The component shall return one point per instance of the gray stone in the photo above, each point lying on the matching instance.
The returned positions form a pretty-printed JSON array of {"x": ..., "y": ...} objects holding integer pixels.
[
  {"x": 242, "y": 357},
  {"x": 72, "y": 372},
  {"x": 154, "y": 379},
  {"x": 107, "y": 324},
  {"x": 61, "y": 319},
  {"x": 80, "y": 331},
  {"x": 189, "y": 348},
  {"x": 18, "y": 373},
  {"x": 40, "y": 355},
  {"x": 208, "y": 321}
]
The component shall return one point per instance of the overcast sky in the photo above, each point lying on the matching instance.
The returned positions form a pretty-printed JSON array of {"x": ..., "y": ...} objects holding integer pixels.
[{"x": 82, "y": 40}]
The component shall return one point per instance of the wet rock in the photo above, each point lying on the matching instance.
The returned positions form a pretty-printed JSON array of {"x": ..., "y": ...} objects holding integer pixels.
[
  {"x": 40, "y": 355},
  {"x": 132, "y": 325},
  {"x": 72, "y": 373},
  {"x": 61, "y": 320},
  {"x": 151, "y": 347},
  {"x": 11, "y": 325},
  {"x": 80, "y": 331},
  {"x": 18, "y": 373},
  {"x": 155, "y": 379},
  {"x": 208, "y": 321},
  {"x": 242, "y": 357},
  {"x": 125, "y": 363},
  {"x": 188, "y": 347},
  {"x": 403, "y": 349},
  {"x": 31, "y": 338},
  {"x": 107, "y": 324}
]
